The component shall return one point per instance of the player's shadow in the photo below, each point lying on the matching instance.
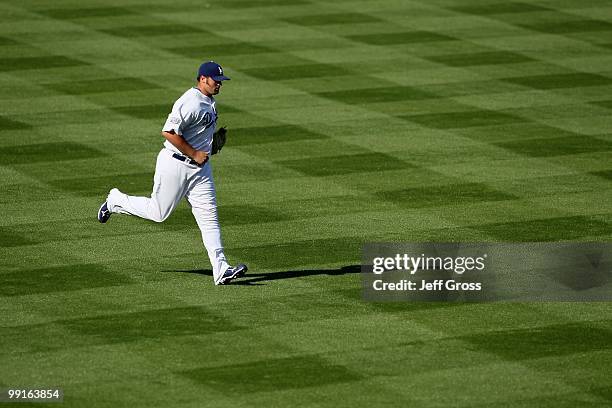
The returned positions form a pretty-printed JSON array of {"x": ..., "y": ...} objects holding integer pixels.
[{"x": 258, "y": 278}]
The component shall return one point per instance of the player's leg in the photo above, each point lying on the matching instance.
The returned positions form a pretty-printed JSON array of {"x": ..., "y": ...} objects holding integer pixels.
[
  {"x": 168, "y": 189},
  {"x": 201, "y": 196}
]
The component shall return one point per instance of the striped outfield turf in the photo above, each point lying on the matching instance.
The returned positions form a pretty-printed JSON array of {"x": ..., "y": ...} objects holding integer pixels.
[{"x": 350, "y": 121}]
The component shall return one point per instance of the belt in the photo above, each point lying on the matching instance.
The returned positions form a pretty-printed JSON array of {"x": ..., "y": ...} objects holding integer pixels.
[{"x": 185, "y": 159}]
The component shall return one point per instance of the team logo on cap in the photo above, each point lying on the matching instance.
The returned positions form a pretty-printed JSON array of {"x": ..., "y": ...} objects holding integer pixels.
[{"x": 220, "y": 71}]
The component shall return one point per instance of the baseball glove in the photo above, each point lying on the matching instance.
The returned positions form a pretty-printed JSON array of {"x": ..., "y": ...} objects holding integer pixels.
[{"x": 219, "y": 139}]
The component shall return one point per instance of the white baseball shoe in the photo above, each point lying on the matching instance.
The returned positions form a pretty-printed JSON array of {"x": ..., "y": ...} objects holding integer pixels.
[{"x": 232, "y": 273}]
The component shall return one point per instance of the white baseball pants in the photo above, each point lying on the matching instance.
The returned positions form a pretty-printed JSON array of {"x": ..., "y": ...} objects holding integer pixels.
[{"x": 174, "y": 180}]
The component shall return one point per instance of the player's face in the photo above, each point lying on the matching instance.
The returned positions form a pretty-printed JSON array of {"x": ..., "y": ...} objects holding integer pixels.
[{"x": 211, "y": 86}]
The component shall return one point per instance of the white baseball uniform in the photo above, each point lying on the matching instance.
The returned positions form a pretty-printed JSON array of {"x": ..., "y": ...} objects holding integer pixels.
[{"x": 193, "y": 117}]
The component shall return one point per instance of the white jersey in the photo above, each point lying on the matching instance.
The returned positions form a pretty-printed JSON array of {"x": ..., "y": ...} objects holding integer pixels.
[{"x": 194, "y": 117}]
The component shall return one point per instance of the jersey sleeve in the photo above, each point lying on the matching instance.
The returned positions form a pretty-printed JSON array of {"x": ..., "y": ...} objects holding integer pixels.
[{"x": 179, "y": 119}]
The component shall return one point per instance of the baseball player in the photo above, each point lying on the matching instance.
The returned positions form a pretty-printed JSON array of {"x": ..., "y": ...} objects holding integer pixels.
[{"x": 183, "y": 169}]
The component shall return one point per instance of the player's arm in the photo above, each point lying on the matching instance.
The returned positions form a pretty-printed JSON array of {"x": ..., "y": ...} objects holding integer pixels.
[{"x": 177, "y": 141}]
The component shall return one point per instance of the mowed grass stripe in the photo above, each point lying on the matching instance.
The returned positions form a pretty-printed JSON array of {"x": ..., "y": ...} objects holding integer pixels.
[
  {"x": 332, "y": 18},
  {"x": 405, "y": 37},
  {"x": 11, "y": 64},
  {"x": 229, "y": 49},
  {"x": 156, "y": 323},
  {"x": 10, "y": 239},
  {"x": 315, "y": 251},
  {"x": 63, "y": 118},
  {"x": 272, "y": 134},
  {"x": 606, "y": 174},
  {"x": 109, "y": 113},
  {"x": 560, "y": 81},
  {"x": 293, "y": 210},
  {"x": 44, "y": 231},
  {"x": 155, "y": 111},
  {"x": 290, "y": 304},
  {"x": 345, "y": 164},
  {"x": 570, "y": 228},
  {"x": 60, "y": 279},
  {"x": 444, "y": 195},
  {"x": 556, "y": 185},
  {"x": 296, "y": 71},
  {"x": 154, "y": 30},
  {"x": 7, "y": 41},
  {"x": 116, "y": 328},
  {"x": 515, "y": 131},
  {"x": 276, "y": 374},
  {"x": 90, "y": 186},
  {"x": 73, "y": 13},
  {"x": 27, "y": 192},
  {"x": 468, "y": 119},
  {"x": 499, "y": 8},
  {"x": 480, "y": 58},
  {"x": 471, "y": 88},
  {"x": 234, "y": 214},
  {"x": 47, "y": 152},
  {"x": 568, "y": 27},
  {"x": 558, "y": 146},
  {"x": 11, "y": 124},
  {"x": 548, "y": 341},
  {"x": 604, "y": 104},
  {"x": 373, "y": 95},
  {"x": 93, "y": 86},
  {"x": 257, "y": 4}
]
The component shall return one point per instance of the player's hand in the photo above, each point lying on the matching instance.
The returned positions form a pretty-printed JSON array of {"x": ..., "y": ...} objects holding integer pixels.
[{"x": 200, "y": 157}]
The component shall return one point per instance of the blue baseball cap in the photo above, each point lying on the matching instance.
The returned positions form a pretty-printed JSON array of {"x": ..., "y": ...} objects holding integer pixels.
[{"x": 213, "y": 70}]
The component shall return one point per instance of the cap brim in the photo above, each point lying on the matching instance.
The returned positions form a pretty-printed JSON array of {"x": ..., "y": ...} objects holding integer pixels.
[{"x": 220, "y": 78}]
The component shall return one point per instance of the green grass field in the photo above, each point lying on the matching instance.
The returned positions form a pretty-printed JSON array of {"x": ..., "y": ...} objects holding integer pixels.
[{"x": 350, "y": 121}]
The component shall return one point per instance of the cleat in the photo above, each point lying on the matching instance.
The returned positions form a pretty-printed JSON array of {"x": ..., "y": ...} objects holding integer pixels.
[
  {"x": 232, "y": 273},
  {"x": 104, "y": 213}
]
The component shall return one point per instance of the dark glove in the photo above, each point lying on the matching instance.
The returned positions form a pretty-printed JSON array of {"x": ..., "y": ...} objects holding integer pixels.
[{"x": 219, "y": 139}]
